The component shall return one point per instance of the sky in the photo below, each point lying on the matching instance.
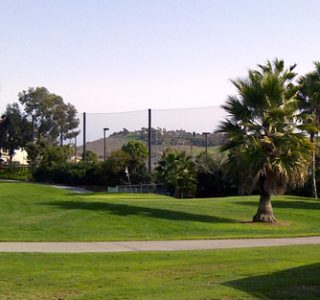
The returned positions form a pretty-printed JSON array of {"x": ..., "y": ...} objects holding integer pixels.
[{"x": 111, "y": 56}]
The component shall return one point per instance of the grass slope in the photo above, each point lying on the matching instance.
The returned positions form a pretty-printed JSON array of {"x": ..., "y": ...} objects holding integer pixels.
[
  {"x": 260, "y": 273},
  {"x": 31, "y": 212}
]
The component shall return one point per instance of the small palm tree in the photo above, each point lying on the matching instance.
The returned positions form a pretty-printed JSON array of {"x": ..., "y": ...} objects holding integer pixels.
[
  {"x": 178, "y": 172},
  {"x": 309, "y": 101},
  {"x": 266, "y": 149}
]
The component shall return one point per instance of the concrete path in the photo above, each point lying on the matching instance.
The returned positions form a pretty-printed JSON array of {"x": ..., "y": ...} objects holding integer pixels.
[
  {"x": 101, "y": 247},
  {"x": 58, "y": 186},
  {"x": 70, "y": 188}
]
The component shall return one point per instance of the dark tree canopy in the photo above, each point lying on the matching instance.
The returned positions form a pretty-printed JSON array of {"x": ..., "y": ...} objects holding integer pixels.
[
  {"x": 15, "y": 130},
  {"x": 52, "y": 117}
]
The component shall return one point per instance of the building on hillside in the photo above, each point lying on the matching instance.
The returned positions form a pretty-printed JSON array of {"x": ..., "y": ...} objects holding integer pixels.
[{"x": 20, "y": 157}]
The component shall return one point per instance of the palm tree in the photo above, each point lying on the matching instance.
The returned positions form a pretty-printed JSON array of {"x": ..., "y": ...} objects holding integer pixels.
[
  {"x": 178, "y": 172},
  {"x": 309, "y": 98},
  {"x": 266, "y": 148}
]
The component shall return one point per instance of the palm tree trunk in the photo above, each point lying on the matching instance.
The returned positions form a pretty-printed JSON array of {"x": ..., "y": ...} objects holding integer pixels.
[
  {"x": 313, "y": 168},
  {"x": 265, "y": 212}
]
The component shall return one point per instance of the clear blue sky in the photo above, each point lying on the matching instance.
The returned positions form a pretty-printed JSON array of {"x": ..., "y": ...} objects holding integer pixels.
[{"x": 107, "y": 56}]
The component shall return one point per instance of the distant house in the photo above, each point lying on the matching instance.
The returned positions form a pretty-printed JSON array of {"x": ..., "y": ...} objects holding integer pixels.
[{"x": 20, "y": 157}]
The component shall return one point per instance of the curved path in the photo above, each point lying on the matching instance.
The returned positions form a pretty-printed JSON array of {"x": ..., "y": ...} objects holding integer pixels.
[
  {"x": 70, "y": 188},
  {"x": 100, "y": 247}
]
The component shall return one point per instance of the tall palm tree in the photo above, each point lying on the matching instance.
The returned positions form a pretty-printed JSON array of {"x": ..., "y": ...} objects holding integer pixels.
[
  {"x": 309, "y": 98},
  {"x": 266, "y": 148}
]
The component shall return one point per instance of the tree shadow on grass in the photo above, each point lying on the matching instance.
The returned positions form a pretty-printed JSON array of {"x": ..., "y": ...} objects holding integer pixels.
[
  {"x": 295, "y": 283},
  {"x": 295, "y": 204},
  {"x": 126, "y": 210}
]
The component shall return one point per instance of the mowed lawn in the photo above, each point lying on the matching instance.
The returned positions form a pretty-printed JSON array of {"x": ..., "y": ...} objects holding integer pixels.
[
  {"x": 258, "y": 273},
  {"x": 32, "y": 212}
]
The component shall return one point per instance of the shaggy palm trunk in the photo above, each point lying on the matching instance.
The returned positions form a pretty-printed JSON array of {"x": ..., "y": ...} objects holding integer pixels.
[
  {"x": 313, "y": 168},
  {"x": 265, "y": 212}
]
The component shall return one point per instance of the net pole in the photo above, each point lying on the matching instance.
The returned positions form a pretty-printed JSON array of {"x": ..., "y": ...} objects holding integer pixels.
[
  {"x": 149, "y": 139},
  {"x": 84, "y": 136}
]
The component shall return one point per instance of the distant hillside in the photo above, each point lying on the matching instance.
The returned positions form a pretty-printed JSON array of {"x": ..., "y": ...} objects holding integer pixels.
[{"x": 192, "y": 143}]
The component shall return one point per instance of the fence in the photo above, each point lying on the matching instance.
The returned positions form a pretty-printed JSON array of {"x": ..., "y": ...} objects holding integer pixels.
[{"x": 190, "y": 129}]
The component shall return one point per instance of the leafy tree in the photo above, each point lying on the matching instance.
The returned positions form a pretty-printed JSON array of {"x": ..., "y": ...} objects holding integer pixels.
[
  {"x": 137, "y": 150},
  {"x": 309, "y": 97},
  {"x": 3, "y": 132},
  {"x": 54, "y": 155},
  {"x": 137, "y": 153},
  {"x": 52, "y": 117},
  {"x": 125, "y": 166},
  {"x": 267, "y": 150},
  {"x": 91, "y": 156},
  {"x": 49, "y": 162},
  {"x": 16, "y": 131},
  {"x": 113, "y": 170},
  {"x": 178, "y": 172}
]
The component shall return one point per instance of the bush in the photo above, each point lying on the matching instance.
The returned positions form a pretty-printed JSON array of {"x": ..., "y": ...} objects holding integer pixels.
[
  {"x": 82, "y": 173},
  {"x": 124, "y": 166}
]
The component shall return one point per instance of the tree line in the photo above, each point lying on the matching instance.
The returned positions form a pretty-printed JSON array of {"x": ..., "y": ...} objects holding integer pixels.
[{"x": 270, "y": 142}]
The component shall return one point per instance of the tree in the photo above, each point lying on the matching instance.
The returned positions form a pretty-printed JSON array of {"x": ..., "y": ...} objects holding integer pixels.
[
  {"x": 178, "y": 172},
  {"x": 309, "y": 97},
  {"x": 137, "y": 153},
  {"x": 212, "y": 180},
  {"x": 91, "y": 156},
  {"x": 52, "y": 117},
  {"x": 16, "y": 130},
  {"x": 113, "y": 170},
  {"x": 266, "y": 148},
  {"x": 125, "y": 166},
  {"x": 3, "y": 133}
]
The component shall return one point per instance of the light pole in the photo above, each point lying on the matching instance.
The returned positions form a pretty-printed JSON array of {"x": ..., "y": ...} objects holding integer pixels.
[
  {"x": 75, "y": 148},
  {"x": 206, "y": 135},
  {"x": 104, "y": 143},
  {"x": 191, "y": 143}
]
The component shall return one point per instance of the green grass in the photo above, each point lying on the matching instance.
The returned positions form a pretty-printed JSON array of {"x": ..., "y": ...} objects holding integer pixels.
[
  {"x": 31, "y": 212},
  {"x": 260, "y": 273}
]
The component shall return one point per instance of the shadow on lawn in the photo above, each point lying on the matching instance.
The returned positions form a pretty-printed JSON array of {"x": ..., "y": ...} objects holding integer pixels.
[
  {"x": 126, "y": 210},
  {"x": 286, "y": 204},
  {"x": 296, "y": 283}
]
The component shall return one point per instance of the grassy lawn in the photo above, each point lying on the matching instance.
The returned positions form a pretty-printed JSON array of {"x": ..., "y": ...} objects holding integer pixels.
[
  {"x": 260, "y": 273},
  {"x": 31, "y": 212}
]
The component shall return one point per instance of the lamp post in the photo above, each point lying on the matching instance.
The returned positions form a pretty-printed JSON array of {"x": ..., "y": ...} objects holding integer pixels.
[
  {"x": 206, "y": 135},
  {"x": 104, "y": 143},
  {"x": 75, "y": 148},
  {"x": 191, "y": 143}
]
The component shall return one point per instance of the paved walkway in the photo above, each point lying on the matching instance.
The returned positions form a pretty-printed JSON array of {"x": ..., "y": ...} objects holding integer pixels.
[
  {"x": 58, "y": 186},
  {"x": 71, "y": 188},
  {"x": 100, "y": 247}
]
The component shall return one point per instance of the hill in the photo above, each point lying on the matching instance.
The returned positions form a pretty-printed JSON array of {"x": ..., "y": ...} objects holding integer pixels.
[{"x": 161, "y": 139}]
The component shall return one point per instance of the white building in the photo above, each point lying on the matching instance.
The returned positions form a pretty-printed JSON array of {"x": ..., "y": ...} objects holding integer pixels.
[{"x": 20, "y": 156}]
